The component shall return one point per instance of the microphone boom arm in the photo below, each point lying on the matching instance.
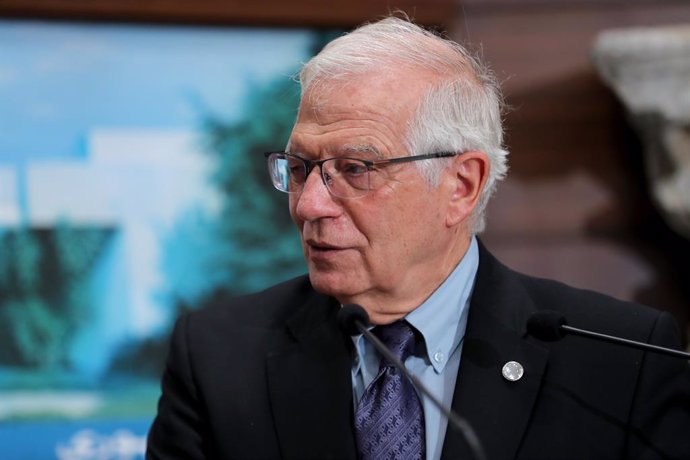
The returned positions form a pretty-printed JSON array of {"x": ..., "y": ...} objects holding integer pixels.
[{"x": 622, "y": 341}]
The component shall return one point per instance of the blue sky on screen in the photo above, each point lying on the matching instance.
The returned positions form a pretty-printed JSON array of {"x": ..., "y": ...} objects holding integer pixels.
[{"x": 59, "y": 79}]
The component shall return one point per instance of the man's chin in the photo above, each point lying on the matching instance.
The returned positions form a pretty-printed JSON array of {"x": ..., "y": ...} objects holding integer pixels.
[{"x": 333, "y": 284}]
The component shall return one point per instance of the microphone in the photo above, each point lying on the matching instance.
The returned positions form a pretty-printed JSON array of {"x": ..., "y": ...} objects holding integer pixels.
[
  {"x": 354, "y": 320},
  {"x": 550, "y": 326}
]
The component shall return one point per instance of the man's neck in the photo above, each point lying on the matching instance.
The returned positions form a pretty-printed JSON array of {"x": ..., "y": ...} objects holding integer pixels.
[{"x": 385, "y": 307}]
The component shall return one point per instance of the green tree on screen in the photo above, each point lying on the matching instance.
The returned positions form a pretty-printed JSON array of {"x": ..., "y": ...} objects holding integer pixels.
[
  {"x": 257, "y": 244},
  {"x": 260, "y": 243}
]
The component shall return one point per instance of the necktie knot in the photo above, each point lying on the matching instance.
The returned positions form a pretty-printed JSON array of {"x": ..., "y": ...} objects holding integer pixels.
[{"x": 398, "y": 337}]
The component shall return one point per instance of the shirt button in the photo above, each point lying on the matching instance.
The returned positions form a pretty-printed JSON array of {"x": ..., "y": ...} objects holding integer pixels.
[{"x": 439, "y": 356}]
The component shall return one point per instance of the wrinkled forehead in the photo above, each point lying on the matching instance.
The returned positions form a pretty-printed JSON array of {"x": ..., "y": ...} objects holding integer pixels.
[
  {"x": 371, "y": 111},
  {"x": 394, "y": 91}
]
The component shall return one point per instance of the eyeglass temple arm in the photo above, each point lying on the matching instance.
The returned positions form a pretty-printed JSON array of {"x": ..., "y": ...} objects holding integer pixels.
[{"x": 415, "y": 158}]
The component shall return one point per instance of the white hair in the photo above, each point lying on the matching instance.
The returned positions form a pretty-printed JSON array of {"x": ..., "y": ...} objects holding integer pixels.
[{"x": 461, "y": 111}]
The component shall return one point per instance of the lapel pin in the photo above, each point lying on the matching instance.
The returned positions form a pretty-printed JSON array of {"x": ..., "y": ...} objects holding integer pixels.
[{"x": 513, "y": 371}]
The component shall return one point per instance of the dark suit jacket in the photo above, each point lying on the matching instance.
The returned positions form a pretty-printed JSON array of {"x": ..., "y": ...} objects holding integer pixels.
[{"x": 269, "y": 377}]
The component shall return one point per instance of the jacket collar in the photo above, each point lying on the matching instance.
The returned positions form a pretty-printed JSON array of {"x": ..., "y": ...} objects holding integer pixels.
[{"x": 497, "y": 409}]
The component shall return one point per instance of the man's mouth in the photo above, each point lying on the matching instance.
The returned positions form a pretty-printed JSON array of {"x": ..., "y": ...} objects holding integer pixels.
[{"x": 322, "y": 246}]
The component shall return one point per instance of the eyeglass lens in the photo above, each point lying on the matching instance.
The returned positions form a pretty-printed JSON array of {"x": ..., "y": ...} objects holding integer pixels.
[{"x": 344, "y": 177}]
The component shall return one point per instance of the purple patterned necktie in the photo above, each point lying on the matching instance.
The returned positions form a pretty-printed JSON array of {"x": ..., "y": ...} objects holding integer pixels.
[{"x": 389, "y": 422}]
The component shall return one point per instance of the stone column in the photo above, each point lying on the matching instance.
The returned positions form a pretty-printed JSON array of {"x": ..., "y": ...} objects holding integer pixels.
[{"x": 649, "y": 70}]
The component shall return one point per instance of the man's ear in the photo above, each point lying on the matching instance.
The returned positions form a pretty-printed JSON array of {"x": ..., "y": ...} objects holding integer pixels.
[{"x": 468, "y": 174}]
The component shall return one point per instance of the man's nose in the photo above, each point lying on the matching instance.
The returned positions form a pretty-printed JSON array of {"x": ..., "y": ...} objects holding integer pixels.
[{"x": 315, "y": 201}]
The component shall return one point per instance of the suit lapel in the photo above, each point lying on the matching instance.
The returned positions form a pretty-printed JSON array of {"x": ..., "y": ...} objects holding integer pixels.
[
  {"x": 497, "y": 409},
  {"x": 310, "y": 386}
]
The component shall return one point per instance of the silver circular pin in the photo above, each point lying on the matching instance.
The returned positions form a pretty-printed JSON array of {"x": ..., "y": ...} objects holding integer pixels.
[{"x": 513, "y": 371}]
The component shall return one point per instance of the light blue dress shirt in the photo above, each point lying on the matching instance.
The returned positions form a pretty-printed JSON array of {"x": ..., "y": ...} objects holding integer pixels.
[{"x": 441, "y": 320}]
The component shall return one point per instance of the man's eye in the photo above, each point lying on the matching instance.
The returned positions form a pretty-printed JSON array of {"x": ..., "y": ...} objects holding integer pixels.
[
  {"x": 296, "y": 172},
  {"x": 352, "y": 167}
]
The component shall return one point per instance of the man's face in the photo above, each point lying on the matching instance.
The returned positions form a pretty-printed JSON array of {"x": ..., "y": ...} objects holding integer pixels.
[{"x": 387, "y": 250}]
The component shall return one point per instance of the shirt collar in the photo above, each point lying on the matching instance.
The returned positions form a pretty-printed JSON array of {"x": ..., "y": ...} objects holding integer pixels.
[{"x": 442, "y": 318}]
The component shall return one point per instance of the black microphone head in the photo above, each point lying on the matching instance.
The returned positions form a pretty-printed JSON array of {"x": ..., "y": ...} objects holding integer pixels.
[
  {"x": 349, "y": 315},
  {"x": 546, "y": 325}
]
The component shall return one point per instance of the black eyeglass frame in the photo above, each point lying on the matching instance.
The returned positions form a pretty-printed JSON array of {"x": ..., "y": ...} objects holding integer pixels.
[{"x": 370, "y": 164}]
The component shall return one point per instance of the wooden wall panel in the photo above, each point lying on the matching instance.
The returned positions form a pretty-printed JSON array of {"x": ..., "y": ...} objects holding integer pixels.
[
  {"x": 326, "y": 13},
  {"x": 575, "y": 206}
]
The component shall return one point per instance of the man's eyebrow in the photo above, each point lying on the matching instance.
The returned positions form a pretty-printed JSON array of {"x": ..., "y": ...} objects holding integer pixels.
[
  {"x": 364, "y": 151},
  {"x": 368, "y": 150}
]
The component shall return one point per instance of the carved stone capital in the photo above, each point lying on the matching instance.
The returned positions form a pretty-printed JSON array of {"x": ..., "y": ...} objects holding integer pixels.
[{"x": 649, "y": 70}]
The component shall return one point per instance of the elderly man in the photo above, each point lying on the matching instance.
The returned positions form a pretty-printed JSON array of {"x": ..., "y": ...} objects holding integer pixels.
[{"x": 396, "y": 149}]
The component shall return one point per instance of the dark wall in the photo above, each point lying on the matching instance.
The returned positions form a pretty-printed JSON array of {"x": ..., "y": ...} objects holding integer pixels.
[
  {"x": 297, "y": 13},
  {"x": 576, "y": 205}
]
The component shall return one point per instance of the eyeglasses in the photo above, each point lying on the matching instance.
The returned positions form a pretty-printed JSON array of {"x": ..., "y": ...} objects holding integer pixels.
[{"x": 344, "y": 177}]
